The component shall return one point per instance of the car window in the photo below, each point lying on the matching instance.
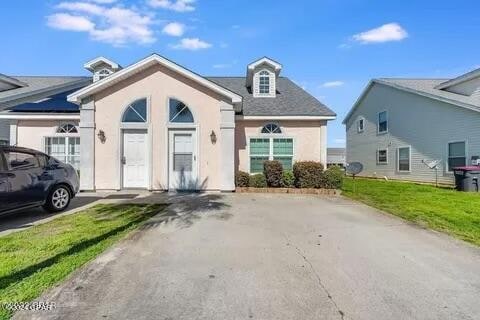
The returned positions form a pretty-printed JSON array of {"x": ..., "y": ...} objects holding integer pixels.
[
  {"x": 43, "y": 160},
  {"x": 20, "y": 160},
  {"x": 3, "y": 167}
]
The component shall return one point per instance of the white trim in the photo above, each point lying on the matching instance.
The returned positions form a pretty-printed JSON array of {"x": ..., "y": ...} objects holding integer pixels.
[
  {"x": 277, "y": 66},
  {"x": 378, "y": 122},
  {"x": 409, "y": 159},
  {"x": 90, "y": 65},
  {"x": 460, "y": 79},
  {"x": 377, "y": 156},
  {"x": 153, "y": 59},
  {"x": 285, "y": 118},
  {"x": 447, "y": 169},
  {"x": 38, "y": 116}
]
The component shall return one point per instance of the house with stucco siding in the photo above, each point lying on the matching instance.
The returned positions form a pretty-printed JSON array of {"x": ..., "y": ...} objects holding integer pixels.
[
  {"x": 416, "y": 129},
  {"x": 157, "y": 125}
]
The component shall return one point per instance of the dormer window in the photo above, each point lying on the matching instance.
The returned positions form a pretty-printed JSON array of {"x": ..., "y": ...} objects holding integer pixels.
[
  {"x": 264, "y": 83},
  {"x": 102, "y": 74}
]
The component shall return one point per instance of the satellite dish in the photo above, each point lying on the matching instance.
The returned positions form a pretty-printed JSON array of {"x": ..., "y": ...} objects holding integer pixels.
[{"x": 354, "y": 168}]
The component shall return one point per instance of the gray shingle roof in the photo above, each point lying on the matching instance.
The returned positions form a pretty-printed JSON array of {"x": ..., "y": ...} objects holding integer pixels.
[
  {"x": 427, "y": 86},
  {"x": 35, "y": 85},
  {"x": 290, "y": 100}
]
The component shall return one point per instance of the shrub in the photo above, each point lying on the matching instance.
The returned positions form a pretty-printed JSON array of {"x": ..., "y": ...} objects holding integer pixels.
[
  {"x": 308, "y": 174},
  {"x": 258, "y": 181},
  {"x": 288, "y": 179},
  {"x": 332, "y": 178},
  {"x": 242, "y": 179},
  {"x": 273, "y": 172}
]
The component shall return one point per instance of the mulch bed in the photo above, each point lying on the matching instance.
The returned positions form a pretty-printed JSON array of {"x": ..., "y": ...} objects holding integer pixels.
[{"x": 332, "y": 192}]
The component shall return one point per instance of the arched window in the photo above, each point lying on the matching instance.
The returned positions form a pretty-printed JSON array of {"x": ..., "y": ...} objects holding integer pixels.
[
  {"x": 136, "y": 112},
  {"x": 271, "y": 128},
  {"x": 179, "y": 112},
  {"x": 67, "y": 128},
  {"x": 264, "y": 82}
]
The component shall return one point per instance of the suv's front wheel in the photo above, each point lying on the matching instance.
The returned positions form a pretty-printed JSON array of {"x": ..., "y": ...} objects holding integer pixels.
[{"x": 58, "y": 199}]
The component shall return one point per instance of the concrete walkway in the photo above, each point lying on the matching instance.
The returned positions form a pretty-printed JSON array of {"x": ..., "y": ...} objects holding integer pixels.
[{"x": 247, "y": 256}]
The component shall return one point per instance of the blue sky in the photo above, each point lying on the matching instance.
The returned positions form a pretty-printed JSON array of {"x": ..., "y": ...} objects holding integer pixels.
[{"x": 330, "y": 47}]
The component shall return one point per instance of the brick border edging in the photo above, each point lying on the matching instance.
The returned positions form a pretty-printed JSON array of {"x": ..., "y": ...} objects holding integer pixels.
[{"x": 331, "y": 192}]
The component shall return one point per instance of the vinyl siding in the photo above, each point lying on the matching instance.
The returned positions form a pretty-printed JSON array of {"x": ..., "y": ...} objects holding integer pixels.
[
  {"x": 424, "y": 124},
  {"x": 4, "y": 130}
]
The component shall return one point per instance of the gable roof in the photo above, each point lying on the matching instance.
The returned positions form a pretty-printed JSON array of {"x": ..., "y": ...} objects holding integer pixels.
[
  {"x": 12, "y": 81},
  {"x": 54, "y": 103},
  {"x": 92, "y": 64},
  {"x": 290, "y": 100},
  {"x": 463, "y": 78},
  {"x": 423, "y": 87},
  {"x": 35, "y": 86},
  {"x": 143, "y": 64}
]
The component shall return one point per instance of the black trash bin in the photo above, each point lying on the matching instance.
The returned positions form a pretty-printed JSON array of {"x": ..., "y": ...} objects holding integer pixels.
[{"x": 467, "y": 178}]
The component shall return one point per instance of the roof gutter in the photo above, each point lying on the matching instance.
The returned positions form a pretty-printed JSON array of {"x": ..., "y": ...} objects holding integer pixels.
[
  {"x": 38, "y": 116},
  {"x": 286, "y": 118}
]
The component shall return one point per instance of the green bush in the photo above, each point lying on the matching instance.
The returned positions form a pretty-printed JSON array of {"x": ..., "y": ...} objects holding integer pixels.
[
  {"x": 273, "y": 172},
  {"x": 308, "y": 174},
  {"x": 288, "y": 179},
  {"x": 332, "y": 178},
  {"x": 258, "y": 181},
  {"x": 242, "y": 179}
]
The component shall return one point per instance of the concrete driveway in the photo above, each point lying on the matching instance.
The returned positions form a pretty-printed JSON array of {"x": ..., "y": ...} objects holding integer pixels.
[{"x": 244, "y": 256}]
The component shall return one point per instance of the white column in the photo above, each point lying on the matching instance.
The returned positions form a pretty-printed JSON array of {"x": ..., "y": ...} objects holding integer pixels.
[
  {"x": 13, "y": 132},
  {"x": 227, "y": 147},
  {"x": 323, "y": 143},
  {"x": 87, "y": 145}
]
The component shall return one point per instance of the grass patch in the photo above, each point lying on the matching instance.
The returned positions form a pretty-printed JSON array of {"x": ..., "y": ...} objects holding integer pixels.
[
  {"x": 36, "y": 259},
  {"x": 446, "y": 210}
]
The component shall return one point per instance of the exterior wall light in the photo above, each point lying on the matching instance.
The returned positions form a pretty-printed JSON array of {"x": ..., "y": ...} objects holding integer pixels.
[
  {"x": 101, "y": 136},
  {"x": 213, "y": 137}
]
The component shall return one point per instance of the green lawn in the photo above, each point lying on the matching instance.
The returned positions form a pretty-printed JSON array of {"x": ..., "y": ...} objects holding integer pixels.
[
  {"x": 34, "y": 260},
  {"x": 446, "y": 210}
]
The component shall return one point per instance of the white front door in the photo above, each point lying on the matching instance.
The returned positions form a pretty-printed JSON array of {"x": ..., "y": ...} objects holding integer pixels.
[
  {"x": 135, "y": 155},
  {"x": 182, "y": 160}
]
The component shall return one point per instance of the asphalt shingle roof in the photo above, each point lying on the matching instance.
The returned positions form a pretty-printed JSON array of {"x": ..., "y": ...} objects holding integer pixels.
[
  {"x": 290, "y": 100},
  {"x": 37, "y": 84},
  {"x": 427, "y": 86}
]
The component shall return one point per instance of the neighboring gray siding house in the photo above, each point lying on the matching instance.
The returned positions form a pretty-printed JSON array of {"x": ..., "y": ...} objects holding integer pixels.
[{"x": 400, "y": 127}]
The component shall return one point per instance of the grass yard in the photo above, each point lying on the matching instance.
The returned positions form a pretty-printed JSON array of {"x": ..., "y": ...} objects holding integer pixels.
[
  {"x": 446, "y": 210},
  {"x": 36, "y": 259}
]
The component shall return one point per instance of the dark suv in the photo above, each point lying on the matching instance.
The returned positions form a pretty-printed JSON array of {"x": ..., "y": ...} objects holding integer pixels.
[{"x": 30, "y": 178}]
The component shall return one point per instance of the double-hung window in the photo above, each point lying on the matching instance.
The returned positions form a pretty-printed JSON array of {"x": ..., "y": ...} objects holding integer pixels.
[
  {"x": 263, "y": 149},
  {"x": 65, "y": 149},
  {"x": 403, "y": 159},
  {"x": 382, "y": 122},
  {"x": 382, "y": 156},
  {"x": 456, "y": 155},
  {"x": 264, "y": 83}
]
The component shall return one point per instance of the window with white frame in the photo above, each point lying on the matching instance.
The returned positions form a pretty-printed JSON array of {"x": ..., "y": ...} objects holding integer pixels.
[
  {"x": 264, "y": 83},
  {"x": 382, "y": 156},
  {"x": 65, "y": 149},
  {"x": 382, "y": 122},
  {"x": 270, "y": 148},
  {"x": 67, "y": 128},
  {"x": 457, "y": 155},
  {"x": 403, "y": 156},
  {"x": 99, "y": 75},
  {"x": 271, "y": 128},
  {"x": 136, "y": 112},
  {"x": 179, "y": 112},
  {"x": 360, "y": 124}
]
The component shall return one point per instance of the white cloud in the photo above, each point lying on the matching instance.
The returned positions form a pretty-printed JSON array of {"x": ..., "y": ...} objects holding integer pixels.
[
  {"x": 69, "y": 22},
  {"x": 103, "y": 1},
  {"x": 339, "y": 141},
  {"x": 333, "y": 84},
  {"x": 221, "y": 65},
  {"x": 112, "y": 24},
  {"x": 385, "y": 33},
  {"x": 174, "y": 29},
  {"x": 192, "y": 44},
  {"x": 175, "y": 5}
]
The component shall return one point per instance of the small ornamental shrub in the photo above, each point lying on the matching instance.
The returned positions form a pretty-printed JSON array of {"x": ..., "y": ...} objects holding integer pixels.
[
  {"x": 308, "y": 174},
  {"x": 273, "y": 172},
  {"x": 288, "y": 179},
  {"x": 242, "y": 179},
  {"x": 332, "y": 178},
  {"x": 258, "y": 181}
]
